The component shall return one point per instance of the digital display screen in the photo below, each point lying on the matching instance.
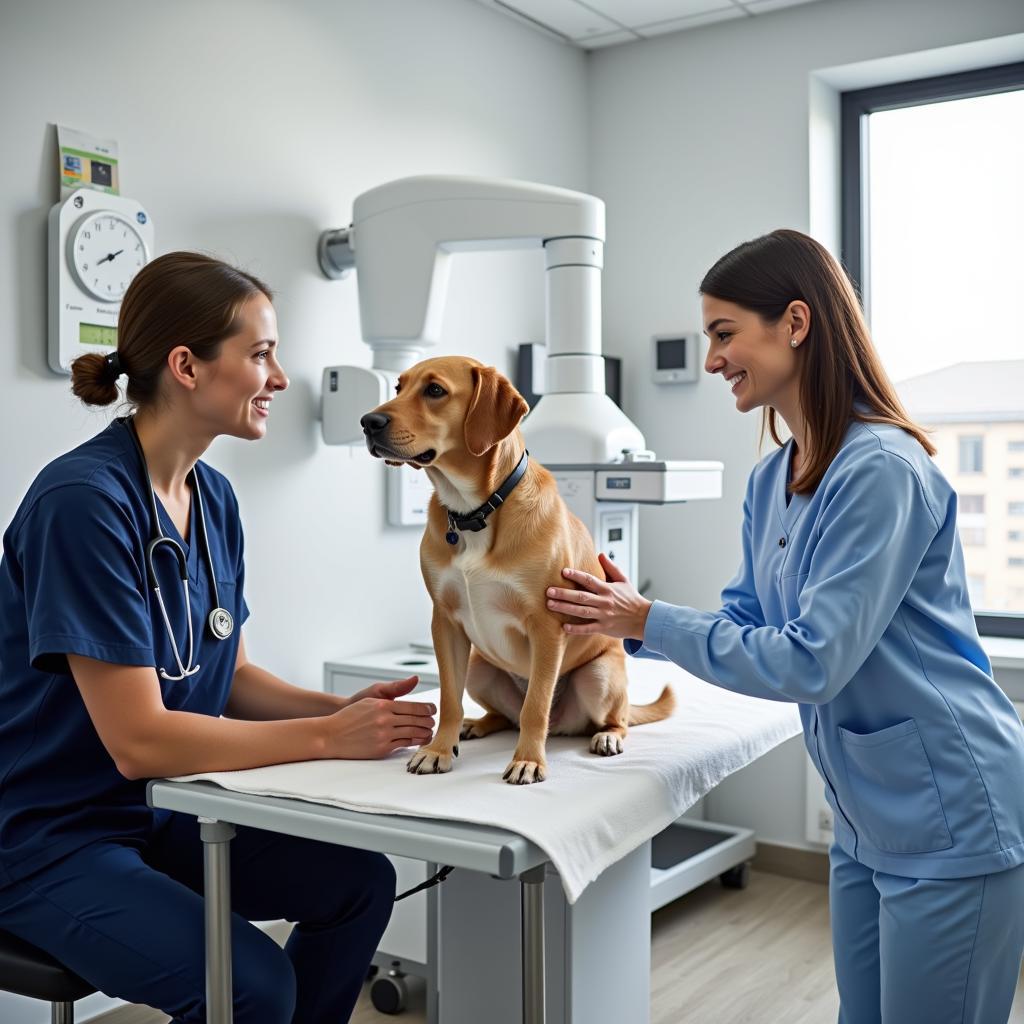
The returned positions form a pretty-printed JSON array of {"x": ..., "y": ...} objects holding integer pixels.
[
  {"x": 618, "y": 483},
  {"x": 97, "y": 334},
  {"x": 615, "y": 534},
  {"x": 671, "y": 354}
]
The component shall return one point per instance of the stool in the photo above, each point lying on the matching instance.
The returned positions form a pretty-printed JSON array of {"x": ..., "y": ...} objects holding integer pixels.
[{"x": 27, "y": 971}]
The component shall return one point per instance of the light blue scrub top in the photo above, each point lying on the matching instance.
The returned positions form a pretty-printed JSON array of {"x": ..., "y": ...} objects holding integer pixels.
[
  {"x": 853, "y": 603},
  {"x": 73, "y": 581}
]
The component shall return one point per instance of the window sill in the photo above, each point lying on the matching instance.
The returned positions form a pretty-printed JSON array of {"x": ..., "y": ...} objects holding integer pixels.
[
  {"x": 1007, "y": 656},
  {"x": 1004, "y": 651}
]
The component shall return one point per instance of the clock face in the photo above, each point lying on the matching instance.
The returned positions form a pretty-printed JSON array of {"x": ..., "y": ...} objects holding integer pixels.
[{"x": 106, "y": 252}]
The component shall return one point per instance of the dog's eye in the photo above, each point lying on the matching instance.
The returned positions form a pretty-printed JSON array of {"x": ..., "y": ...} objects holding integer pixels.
[{"x": 434, "y": 391}]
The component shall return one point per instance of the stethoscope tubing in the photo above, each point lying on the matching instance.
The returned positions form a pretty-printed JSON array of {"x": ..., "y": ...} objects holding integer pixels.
[{"x": 219, "y": 620}]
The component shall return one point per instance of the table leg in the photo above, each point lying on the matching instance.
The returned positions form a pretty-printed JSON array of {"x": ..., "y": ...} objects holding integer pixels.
[
  {"x": 533, "y": 945},
  {"x": 216, "y": 837}
]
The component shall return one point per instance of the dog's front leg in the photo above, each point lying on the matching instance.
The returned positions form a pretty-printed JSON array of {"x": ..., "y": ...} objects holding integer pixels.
[
  {"x": 451, "y": 645},
  {"x": 528, "y": 762}
]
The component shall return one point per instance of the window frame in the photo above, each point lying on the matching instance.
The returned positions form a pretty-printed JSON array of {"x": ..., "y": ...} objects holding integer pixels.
[{"x": 855, "y": 106}]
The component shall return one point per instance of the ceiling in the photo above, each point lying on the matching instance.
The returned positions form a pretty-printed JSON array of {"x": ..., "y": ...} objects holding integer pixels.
[{"x": 591, "y": 24}]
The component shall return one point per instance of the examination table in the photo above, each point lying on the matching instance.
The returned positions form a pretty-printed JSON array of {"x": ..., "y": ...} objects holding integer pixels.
[{"x": 571, "y": 943}]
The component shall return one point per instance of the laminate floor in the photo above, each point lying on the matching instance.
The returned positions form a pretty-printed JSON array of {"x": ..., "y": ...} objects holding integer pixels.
[{"x": 761, "y": 955}]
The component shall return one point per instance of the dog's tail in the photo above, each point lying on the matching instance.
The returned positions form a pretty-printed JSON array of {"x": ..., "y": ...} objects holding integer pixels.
[{"x": 642, "y": 714}]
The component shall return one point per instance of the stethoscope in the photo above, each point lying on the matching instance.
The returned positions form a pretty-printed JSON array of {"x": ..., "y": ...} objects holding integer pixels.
[{"x": 219, "y": 620}]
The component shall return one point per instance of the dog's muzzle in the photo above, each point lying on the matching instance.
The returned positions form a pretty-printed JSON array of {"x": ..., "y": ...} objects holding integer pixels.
[{"x": 375, "y": 426}]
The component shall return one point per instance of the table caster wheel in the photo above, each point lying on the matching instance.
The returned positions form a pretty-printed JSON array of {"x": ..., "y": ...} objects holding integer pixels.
[
  {"x": 737, "y": 877},
  {"x": 388, "y": 993}
]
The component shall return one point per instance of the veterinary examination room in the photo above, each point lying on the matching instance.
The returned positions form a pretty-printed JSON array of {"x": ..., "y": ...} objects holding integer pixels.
[{"x": 512, "y": 512}]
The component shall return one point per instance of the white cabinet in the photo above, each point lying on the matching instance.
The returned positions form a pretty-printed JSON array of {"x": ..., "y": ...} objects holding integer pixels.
[
  {"x": 403, "y": 947},
  {"x": 348, "y": 675}
]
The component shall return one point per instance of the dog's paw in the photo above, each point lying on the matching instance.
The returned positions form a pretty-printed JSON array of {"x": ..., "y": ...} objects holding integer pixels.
[
  {"x": 472, "y": 729},
  {"x": 431, "y": 762},
  {"x": 606, "y": 743},
  {"x": 522, "y": 773}
]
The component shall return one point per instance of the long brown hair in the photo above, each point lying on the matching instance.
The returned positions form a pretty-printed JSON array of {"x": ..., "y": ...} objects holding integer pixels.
[
  {"x": 183, "y": 298},
  {"x": 839, "y": 363}
]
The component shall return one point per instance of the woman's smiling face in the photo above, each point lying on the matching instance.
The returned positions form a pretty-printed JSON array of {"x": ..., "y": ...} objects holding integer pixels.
[
  {"x": 241, "y": 382},
  {"x": 757, "y": 359}
]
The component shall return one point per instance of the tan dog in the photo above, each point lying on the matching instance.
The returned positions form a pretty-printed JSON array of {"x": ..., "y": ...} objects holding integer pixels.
[{"x": 493, "y": 633}]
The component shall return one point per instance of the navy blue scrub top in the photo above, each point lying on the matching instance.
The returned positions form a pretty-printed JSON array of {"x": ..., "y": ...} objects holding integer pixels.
[
  {"x": 73, "y": 581},
  {"x": 852, "y": 602}
]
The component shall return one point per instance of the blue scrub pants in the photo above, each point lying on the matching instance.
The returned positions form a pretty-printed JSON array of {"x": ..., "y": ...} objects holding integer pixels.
[
  {"x": 128, "y": 917},
  {"x": 925, "y": 950}
]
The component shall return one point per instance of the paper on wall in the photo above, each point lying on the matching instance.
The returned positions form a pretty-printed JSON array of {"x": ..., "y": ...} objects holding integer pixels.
[{"x": 86, "y": 162}]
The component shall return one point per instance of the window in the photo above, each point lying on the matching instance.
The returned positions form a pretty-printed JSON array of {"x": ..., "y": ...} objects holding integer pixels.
[
  {"x": 1015, "y": 535},
  {"x": 971, "y": 504},
  {"x": 1015, "y": 563},
  {"x": 976, "y": 590},
  {"x": 933, "y": 212},
  {"x": 972, "y": 451}
]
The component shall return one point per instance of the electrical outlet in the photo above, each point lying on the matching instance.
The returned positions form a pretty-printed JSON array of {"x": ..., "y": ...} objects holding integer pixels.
[{"x": 825, "y": 820}]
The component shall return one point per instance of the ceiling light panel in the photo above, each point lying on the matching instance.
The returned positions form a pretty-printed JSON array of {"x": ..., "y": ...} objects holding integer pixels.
[
  {"x": 565, "y": 16},
  {"x": 763, "y": 6},
  {"x": 598, "y": 42},
  {"x": 645, "y": 12},
  {"x": 678, "y": 25}
]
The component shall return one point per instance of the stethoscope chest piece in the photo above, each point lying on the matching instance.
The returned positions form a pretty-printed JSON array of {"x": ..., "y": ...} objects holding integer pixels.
[{"x": 221, "y": 623}]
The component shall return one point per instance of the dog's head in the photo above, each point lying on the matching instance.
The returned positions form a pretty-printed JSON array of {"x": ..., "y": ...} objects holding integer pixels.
[{"x": 446, "y": 406}]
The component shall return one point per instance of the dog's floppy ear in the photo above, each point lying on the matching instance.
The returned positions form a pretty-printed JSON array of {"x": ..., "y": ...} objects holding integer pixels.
[{"x": 494, "y": 410}]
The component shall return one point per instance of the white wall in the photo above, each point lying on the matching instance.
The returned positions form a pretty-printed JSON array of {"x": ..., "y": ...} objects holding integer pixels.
[
  {"x": 699, "y": 141},
  {"x": 247, "y": 128}
]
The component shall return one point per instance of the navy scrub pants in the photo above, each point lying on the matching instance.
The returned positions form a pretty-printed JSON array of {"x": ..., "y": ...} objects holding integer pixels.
[
  {"x": 925, "y": 950},
  {"x": 128, "y": 917}
]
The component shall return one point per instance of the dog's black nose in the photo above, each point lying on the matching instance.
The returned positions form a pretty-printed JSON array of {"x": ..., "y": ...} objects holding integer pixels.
[{"x": 374, "y": 422}]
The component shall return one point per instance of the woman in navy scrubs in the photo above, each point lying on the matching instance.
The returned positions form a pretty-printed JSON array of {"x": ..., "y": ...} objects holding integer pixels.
[
  {"x": 101, "y": 688},
  {"x": 852, "y": 602}
]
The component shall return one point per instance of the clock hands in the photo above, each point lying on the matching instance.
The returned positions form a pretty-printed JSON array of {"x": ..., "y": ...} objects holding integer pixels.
[{"x": 109, "y": 256}]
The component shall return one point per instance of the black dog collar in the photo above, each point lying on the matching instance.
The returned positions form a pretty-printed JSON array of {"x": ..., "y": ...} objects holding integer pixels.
[{"x": 477, "y": 519}]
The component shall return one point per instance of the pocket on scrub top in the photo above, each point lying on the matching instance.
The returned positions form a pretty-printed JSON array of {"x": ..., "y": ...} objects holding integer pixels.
[{"x": 893, "y": 790}]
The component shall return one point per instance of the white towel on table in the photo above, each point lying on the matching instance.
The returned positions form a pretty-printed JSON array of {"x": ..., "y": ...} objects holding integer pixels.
[{"x": 591, "y": 811}]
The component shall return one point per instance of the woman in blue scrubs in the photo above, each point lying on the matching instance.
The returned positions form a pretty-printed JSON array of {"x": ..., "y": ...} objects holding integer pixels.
[
  {"x": 102, "y": 688},
  {"x": 852, "y": 602}
]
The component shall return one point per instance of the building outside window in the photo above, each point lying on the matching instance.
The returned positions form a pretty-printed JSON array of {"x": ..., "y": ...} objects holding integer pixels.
[
  {"x": 972, "y": 453},
  {"x": 970, "y": 504},
  {"x": 933, "y": 214}
]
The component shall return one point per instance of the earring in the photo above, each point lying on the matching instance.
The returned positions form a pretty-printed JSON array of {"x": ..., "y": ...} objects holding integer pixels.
[{"x": 793, "y": 343}]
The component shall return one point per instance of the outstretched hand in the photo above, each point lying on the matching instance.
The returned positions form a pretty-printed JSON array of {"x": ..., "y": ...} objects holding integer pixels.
[
  {"x": 375, "y": 723},
  {"x": 387, "y": 691},
  {"x": 613, "y": 607}
]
